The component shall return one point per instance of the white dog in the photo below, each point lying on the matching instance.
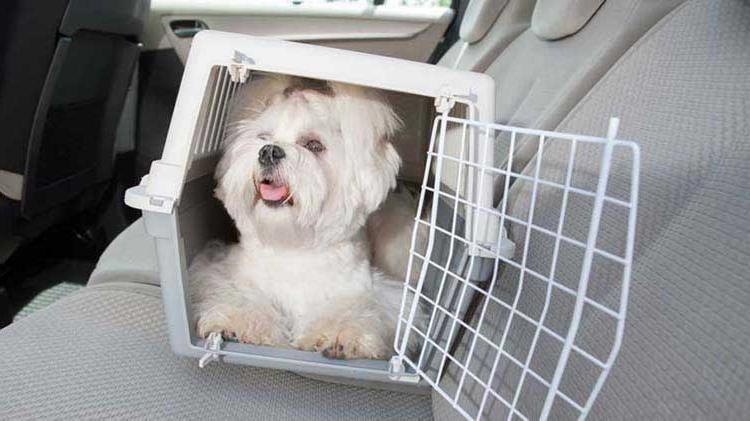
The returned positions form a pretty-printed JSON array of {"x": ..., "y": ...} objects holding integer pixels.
[{"x": 305, "y": 164}]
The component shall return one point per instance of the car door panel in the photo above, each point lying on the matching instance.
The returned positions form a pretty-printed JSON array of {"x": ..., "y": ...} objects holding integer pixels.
[{"x": 404, "y": 32}]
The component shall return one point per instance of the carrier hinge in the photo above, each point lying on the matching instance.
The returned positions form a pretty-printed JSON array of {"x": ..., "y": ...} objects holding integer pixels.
[
  {"x": 492, "y": 240},
  {"x": 445, "y": 102},
  {"x": 212, "y": 346},
  {"x": 397, "y": 371},
  {"x": 239, "y": 72}
]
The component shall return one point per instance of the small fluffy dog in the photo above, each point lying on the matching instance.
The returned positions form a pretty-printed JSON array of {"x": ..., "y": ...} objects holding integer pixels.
[{"x": 305, "y": 163}]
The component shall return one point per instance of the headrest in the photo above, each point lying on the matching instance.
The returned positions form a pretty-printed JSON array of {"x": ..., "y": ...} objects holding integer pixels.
[
  {"x": 478, "y": 19},
  {"x": 555, "y": 19}
]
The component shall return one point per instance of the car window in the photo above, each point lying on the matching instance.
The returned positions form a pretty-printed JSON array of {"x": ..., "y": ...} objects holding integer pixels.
[{"x": 408, "y": 3}]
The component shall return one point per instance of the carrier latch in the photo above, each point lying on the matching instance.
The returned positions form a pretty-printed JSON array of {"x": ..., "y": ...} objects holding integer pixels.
[
  {"x": 213, "y": 346},
  {"x": 158, "y": 189}
]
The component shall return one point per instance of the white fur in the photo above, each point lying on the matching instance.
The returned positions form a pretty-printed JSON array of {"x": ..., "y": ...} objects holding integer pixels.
[
  {"x": 301, "y": 275},
  {"x": 389, "y": 230}
]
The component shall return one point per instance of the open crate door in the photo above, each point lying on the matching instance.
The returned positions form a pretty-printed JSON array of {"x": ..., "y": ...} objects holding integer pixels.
[{"x": 529, "y": 331}]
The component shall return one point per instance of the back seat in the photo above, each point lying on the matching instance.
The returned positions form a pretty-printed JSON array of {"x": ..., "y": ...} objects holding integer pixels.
[
  {"x": 681, "y": 93},
  {"x": 551, "y": 65},
  {"x": 487, "y": 28}
]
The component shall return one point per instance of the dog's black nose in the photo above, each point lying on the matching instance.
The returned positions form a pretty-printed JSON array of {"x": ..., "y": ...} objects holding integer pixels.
[{"x": 270, "y": 155}]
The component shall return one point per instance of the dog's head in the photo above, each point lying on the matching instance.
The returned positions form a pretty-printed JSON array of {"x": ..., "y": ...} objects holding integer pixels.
[{"x": 306, "y": 161}]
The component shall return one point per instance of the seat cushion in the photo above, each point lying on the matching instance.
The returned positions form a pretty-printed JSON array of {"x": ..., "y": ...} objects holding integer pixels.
[
  {"x": 131, "y": 255},
  {"x": 103, "y": 353}
]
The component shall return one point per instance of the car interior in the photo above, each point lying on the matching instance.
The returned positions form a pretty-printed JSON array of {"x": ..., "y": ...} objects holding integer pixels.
[{"x": 87, "y": 91}]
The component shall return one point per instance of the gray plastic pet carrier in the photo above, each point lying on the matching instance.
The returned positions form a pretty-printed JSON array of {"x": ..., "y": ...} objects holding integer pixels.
[{"x": 498, "y": 323}]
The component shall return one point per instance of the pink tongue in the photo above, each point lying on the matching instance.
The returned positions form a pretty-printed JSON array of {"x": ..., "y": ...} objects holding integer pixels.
[{"x": 273, "y": 193}]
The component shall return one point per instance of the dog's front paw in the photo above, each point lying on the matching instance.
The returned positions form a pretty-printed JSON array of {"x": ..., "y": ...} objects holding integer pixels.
[
  {"x": 215, "y": 322},
  {"x": 250, "y": 327},
  {"x": 353, "y": 343},
  {"x": 316, "y": 341},
  {"x": 259, "y": 328}
]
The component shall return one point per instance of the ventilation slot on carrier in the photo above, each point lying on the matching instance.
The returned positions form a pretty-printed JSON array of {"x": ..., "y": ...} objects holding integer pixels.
[{"x": 209, "y": 132}]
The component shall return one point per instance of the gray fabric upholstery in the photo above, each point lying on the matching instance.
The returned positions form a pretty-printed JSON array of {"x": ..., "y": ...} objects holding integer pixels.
[
  {"x": 132, "y": 255},
  {"x": 538, "y": 82},
  {"x": 682, "y": 93},
  {"x": 529, "y": 94},
  {"x": 514, "y": 18},
  {"x": 478, "y": 18},
  {"x": 555, "y": 19},
  {"x": 102, "y": 353}
]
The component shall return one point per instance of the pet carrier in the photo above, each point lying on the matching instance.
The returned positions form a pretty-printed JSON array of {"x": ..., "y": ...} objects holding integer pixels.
[{"x": 469, "y": 280}]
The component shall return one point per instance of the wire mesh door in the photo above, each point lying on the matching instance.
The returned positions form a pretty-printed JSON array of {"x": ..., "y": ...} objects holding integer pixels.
[{"x": 533, "y": 333}]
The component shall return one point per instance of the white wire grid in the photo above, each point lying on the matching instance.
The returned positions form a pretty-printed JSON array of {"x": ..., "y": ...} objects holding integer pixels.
[
  {"x": 209, "y": 135},
  {"x": 547, "y": 368}
]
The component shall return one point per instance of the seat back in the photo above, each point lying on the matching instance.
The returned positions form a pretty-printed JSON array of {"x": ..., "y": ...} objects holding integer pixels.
[
  {"x": 23, "y": 71},
  {"x": 681, "y": 93},
  {"x": 554, "y": 62},
  {"x": 64, "y": 143},
  {"x": 488, "y": 26}
]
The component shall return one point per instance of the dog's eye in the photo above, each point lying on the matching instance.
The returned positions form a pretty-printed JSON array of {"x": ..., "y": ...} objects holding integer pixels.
[
  {"x": 265, "y": 136},
  {"x": 313, "y": 145}
]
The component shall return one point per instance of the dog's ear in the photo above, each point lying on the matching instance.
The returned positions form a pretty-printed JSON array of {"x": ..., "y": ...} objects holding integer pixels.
[
  {"x": 367, "y": 116},
  {"x": 223, "y": 187},
  {"x": 367, "y": 124},
  {"x": 390, "y": 162}
]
